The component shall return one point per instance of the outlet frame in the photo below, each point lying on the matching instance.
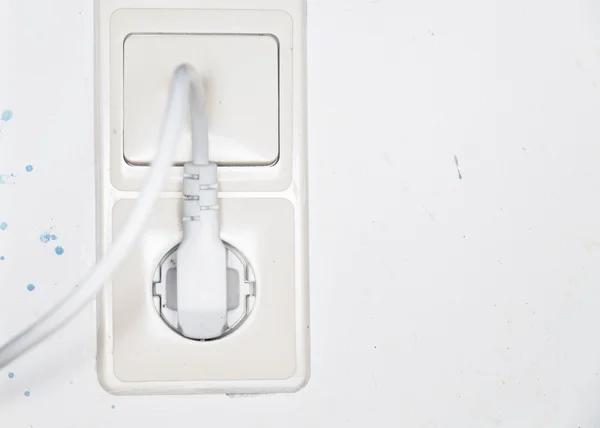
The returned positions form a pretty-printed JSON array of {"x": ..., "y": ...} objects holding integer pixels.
[{"x": 284, "y": 181}]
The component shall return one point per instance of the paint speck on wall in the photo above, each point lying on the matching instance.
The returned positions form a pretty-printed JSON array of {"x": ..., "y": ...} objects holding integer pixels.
[
  {"x": 2, "y": 258},
  {"x": 7, "y": 179},
  {"x": 59, "y": 250},
  {"x": 6, "y": 115},
  {"x": 113, "y": 406},
  {"x": 27, "y": 393},
  {"x": 460, "y": 177},
  {"x": 11, "y": 375},
  {"x": 30, "y": 287},
  {"x": 3, "y": 225},
  {"x": 47, "y": 237},
  {"x": 29, "y": 168}
]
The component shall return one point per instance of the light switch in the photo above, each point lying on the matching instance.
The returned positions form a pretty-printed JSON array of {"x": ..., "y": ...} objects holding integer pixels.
[{"x": 241, "y": 78}]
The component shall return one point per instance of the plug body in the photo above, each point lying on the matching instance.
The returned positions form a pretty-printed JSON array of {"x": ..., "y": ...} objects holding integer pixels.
[
  {"x": 201, "y": 258},
  {"x": 202, "y": 279}
]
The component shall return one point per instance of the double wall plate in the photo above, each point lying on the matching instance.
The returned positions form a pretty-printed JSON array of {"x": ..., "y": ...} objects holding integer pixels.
[{"x": 251, "y": 56}]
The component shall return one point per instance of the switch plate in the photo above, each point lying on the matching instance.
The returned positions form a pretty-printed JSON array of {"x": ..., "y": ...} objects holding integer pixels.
[
  {"x": 119, "y": 20},
  {"x": 251, "y": 55},
  {"x": 241, "y": 77}
]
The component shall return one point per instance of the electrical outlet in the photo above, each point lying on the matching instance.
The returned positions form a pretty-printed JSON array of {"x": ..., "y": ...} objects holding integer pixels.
[{"x": 251, "y": 57}]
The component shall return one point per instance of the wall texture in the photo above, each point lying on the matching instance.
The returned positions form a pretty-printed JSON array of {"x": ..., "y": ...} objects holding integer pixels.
[{"x": 462, "y": 292}]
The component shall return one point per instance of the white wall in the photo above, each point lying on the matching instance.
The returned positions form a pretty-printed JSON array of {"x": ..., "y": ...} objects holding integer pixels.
[{"x": 436, "y": 301}]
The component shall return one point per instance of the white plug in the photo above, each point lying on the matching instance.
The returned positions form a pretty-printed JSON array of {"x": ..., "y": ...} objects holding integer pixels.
[
  {"x": 202, "y": 279},
  {"x": 201, "y": 258}
]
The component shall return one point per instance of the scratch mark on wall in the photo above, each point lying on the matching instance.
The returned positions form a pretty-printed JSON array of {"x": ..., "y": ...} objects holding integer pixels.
[
  {"x": 460, "y": 177},
  {"x": 388, "y": 160}
]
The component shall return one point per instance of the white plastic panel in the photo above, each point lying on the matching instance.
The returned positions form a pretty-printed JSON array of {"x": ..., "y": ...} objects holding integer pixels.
[
  {"x": 241, "y": 78},
  {"x": 264, "y": 347},
  {"x": 268, "y": 143},
  {"x": 251, "y": 55}
]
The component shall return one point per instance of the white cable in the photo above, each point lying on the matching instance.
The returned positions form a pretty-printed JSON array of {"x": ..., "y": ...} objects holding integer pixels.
[
  {"x": 184, "y": 84},
  {"x": 199, "y": 122}
]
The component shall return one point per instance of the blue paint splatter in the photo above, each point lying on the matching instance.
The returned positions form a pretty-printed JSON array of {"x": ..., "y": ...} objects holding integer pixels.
[
  {"x": 47, "y": 237},
  {"x": 3, "y": 225},
  {"x": 59, "y": 250},
  {"x": 1, "y": 258},
  {"x": 6, "y": 115},
  {"x": 27, "y": 393},
  {"x": 113, "y": 406},
  {"x": 11, "y": 375},
  {"x": 30, "y": 287},
  {"x": 29, "y": 168},
  {"x": 7, "y": 179}
]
